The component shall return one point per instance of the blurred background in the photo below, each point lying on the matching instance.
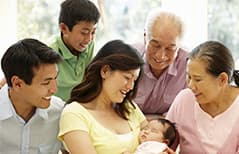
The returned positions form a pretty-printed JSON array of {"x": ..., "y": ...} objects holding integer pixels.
[{"x": 123, "y": 19}]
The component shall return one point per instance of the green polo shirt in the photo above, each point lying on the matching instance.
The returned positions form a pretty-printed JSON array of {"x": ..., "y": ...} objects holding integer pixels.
[{"x": 71, "y": 69}]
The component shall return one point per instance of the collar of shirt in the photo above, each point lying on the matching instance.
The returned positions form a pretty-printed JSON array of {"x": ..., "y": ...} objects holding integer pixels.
[
  {"x": 65, "y": 52},
  {"x": 7, "y": 110},
  {"x": 171, "y": 70}
]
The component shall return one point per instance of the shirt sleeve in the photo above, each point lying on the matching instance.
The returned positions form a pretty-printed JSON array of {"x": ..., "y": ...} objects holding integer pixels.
[
  {"x": 72, "y": 119},
  {"x": 181, "y": 105},
  {"x": 137, "y": 114},
  {"x": 140, "y": 115},
  {"x": 173, "y": 110}
]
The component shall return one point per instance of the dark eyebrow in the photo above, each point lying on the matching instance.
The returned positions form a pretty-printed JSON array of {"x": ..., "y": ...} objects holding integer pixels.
[
  {"x": 86, "y": 29},
  {"x": 48, "y": 79},
  {"x": 173, "y": 44},
  {"x": 154, "y": 41},
  {"x": 196, "y": 76},
  {"x": 158, "y": 42},
  {"x": 133, "y": 76},
  {"x": 130, "y": 73}
]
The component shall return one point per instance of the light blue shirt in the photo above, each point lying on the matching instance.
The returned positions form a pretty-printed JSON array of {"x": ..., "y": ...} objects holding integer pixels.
[{"x": 37, "y": 136}]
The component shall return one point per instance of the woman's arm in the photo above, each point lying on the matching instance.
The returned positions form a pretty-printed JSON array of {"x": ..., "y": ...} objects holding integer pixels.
[
  {"x": 168, "y": 151},
  {"x": 79, "y": 142}
]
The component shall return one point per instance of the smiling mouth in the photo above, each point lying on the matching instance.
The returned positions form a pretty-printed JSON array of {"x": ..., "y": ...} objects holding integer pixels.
[
  {"x": 47, "y": 98},
  {"x": 159, "y": 61},
  {"x": 123, "y": 92},
  {"x": 197, "y": 95},
  {"x": 83, "y": 46}
]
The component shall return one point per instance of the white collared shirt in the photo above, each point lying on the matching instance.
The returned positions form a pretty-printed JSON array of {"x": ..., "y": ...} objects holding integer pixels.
[{"x": 37, "y": 136}]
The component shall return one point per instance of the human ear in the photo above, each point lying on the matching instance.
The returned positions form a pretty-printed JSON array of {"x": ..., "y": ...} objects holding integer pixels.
[
  {"x": 166, "y": 141},
  {"x": 223, "y": 78},
  {"x": 64, "y": 28},
  {"x": 16, "y": 82},
  {"x": 105, "y": 71}
]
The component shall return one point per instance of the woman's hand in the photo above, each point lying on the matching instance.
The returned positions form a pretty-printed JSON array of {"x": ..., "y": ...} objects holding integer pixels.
[{"x": 168, "y": 151}]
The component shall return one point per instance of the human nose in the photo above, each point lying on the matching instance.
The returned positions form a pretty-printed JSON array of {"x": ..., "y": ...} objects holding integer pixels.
[
  {"x": 191, "y": 85},
  {"x": 145, "y": 131},
  {"x": 161, "y": 53},
  {"x": 130, "y": 85},
  {"x": 89, "y": 37},
  {"x": 53, "y": 87}
]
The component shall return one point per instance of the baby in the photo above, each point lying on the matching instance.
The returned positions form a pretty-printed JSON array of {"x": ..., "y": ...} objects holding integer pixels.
[{"x": 156, "y": 137}]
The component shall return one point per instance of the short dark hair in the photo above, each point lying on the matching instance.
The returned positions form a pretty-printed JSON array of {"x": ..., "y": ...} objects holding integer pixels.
[
  {"x": 218, "y": 58},
  {"x": 23, "y": 57},
  {"x": 74, "y": 11},
  {"x": 119, "y": 56},
  {"x": 170, "y": 132}
]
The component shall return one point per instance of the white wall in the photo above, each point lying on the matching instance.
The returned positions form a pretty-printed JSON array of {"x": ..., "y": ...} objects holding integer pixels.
[
  {"x": 194, "y": 15},
  {"x": 192, "y": 12},
  {"x": 237, "y": 64},
  {"x": 8, "y": 30}
]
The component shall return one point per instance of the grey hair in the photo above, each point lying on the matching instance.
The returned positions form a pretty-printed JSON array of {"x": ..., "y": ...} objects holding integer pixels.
[{"x": 164, "y": 17}]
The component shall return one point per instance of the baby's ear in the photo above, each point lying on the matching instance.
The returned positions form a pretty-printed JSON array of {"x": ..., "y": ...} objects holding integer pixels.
[{"x": 166, "y": 141}]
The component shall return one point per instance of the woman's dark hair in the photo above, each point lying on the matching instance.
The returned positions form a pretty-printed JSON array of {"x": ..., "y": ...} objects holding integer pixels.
[
  {"x": 218, "y": 58},
  {"x": 118, "y": 56}
]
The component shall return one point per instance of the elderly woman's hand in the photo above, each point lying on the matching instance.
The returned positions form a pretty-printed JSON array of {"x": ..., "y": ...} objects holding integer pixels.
[{"x": 168, "y": 151}]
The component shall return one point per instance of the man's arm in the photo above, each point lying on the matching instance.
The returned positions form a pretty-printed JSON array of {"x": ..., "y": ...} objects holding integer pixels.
[{"x": 2, "y": 82}]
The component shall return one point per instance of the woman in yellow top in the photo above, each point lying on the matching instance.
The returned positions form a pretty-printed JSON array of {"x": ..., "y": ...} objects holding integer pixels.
[{"x": 100, "y": 117}]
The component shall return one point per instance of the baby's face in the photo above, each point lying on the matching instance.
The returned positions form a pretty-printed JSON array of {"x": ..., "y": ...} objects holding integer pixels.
[{"x": 152, "y": 132}]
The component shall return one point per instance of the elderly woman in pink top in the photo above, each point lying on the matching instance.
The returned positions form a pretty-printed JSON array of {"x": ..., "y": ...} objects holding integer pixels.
[{"x": 206, "y": 115}]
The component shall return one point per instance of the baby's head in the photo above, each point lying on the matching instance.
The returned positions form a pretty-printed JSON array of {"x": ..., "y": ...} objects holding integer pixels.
[{"x": 161, "y": 130}]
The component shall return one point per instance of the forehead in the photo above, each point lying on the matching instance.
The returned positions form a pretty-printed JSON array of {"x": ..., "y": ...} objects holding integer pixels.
[
  {"x": 45, "y": 71},
  {"x": 85, "y": 25},
  {"x": 163, "y": 35},
  {"x": 156, "y": 125},
  {"x": 134, "y": 73},
  {"x": 196, "y": 66}
]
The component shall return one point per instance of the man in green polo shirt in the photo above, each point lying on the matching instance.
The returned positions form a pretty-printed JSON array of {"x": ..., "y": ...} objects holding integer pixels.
[{"x": 77, "y": 21}]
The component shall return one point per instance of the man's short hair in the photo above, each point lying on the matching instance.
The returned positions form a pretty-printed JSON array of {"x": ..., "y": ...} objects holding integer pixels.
[{"x": 23, "y": 57}]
